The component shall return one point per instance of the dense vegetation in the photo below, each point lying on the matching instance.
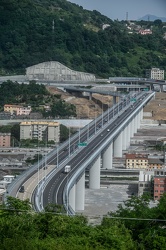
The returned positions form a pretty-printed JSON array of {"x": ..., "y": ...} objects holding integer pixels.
[
  {"x": 33, "y": 31},
  {"x": 137, "y": 227}
]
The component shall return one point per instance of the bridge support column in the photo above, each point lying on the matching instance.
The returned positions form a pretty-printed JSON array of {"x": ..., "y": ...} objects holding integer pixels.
[
  {"x": 107, "y": 157},
  {"x": 90, "y": 96},
  {"x": 80, "y": 193},
  {"x": 118, "y": 146},
  {"x": 124, "y": 139},
  {"x": 128, "y": 135},
  {"x": 114, "y": 100},
  {"x": 135, "y": 124},
  {"x": 132, "y": 127},
  {"x": 94, "y": 174},
  {"x": 72, "y": 200},
  {"x": 139, "y": 119},
  {"x": 142, "y": 115}
]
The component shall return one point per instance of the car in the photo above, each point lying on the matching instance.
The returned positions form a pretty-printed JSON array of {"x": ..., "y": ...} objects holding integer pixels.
[
  {"x": 101, "y": 135},
  {"x": 21, "y": 190},
  {"x": 108, "y": 130}
]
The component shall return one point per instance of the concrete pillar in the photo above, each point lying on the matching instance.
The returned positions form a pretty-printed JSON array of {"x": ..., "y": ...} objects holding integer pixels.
[
  {"x": 138, "y": 120},
  {"x": 128, "y": 135},
  {"x": 80, "y": 193},
  {"x": 118, "y": 146},
  {"x": 142, "y": 115},
  {"x": 124, "y": 138},
  {"x": 94, "y": 174},
  {"x": 107, "y": 157},
  {"x": 72, "y": 195},
  {"x": 136, "y": 124},
  {"x": 131, "y": 128},
  {"x": 90, "y": 96},
  {"x": 114, "y": 100}
]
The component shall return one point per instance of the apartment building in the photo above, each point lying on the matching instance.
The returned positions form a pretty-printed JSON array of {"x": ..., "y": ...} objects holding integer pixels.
[
  {"x": 159, "y": 183},
  {"x": 41, "y": 130},
  {"x": 5, "y": 139},
  {"x": 136, "y": 161},
  {"x": 145, "y": 182},
  {"x": 155, "y": 73},
  {"x": 145, "y": 32},
  {"x": 17, "y": 109},
  {"x": 155, "y": 163}
]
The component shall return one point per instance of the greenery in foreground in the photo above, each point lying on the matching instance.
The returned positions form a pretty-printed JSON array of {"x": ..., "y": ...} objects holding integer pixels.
[{"x": 53, "y": 230}]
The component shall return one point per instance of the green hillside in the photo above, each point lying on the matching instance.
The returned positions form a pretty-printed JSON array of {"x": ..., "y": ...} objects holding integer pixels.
[{"x": 42, "y": 30}]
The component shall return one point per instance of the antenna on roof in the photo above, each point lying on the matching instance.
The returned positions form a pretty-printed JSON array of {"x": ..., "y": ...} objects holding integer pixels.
[{"x": 126, "y": 16}]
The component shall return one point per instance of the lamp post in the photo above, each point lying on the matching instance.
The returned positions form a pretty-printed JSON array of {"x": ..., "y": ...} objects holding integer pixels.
[
  {"x": 57, "y": 157},
  {"x": 69, "y": 141},
  {"x": 102, "y": 111},
  {"x": 88, "y": 126}
]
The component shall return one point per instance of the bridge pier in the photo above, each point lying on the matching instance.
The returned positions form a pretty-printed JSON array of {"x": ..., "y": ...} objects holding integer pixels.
[
  {"x": 72, "y": 195},
  {"x": 128, "y": 135},
  {"x": 94, "y": 174},
  {"x": 90, "y": 96},
  {"x": 80, "y": 193},
  {"x": 114, "y": 100},
  {"x": 107, "y": 157},
  {"x": 124, "y": 139},
  {"x": 118, "y": 146}
]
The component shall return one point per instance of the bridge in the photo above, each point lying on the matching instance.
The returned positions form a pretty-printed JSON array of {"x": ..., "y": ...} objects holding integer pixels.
[
  {"x": 131, "y": 82},
  {"x": 104, "y": 138}
]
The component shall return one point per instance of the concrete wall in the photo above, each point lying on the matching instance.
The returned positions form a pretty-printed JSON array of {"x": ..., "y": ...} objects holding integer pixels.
[{"x": 55, "y": 71}]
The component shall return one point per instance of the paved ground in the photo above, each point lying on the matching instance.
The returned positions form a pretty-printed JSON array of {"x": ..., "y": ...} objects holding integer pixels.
[{"x": 106, "y": 199}]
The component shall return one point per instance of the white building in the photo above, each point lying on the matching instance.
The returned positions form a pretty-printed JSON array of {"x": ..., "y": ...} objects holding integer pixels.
[
  {"x": 41, "y": 130},
  {"x": 55, "y": 71},
  {"x": 145, "y": 181},
  {"x": 155, "y": 73}
]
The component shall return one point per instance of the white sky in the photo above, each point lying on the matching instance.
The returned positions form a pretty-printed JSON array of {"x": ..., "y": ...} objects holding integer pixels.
[{"x": 117, "y": 9}]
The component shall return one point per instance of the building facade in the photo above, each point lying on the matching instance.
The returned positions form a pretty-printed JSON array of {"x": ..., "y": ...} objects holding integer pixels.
[
  {"x": 17, "y": 109},
  {"x": 155, "y": 73},
  {"x": 136, "y": 161},
  {"x": 145, "y": 32},
  {"x": 42, "y": 130},
  {"x": 5, "y": 140},
  {"x": 145, "y": 184},
  {"x": 159, "y": 183}
]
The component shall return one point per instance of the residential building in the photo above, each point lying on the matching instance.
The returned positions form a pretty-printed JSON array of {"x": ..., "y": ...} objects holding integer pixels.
[
  {"x": 145, "y": 32},
  {"x": 5, "y": 139},
  {"x": 17, "y": 109},
  {"x": 155, "y": 163},
  {"x": 155, "y": 73},
  {"x": 41, "y": 130},
  {"x": 145, "y": 184},
  {"x": 137, "y": 161},
  {"x": 159, "y": 183}
]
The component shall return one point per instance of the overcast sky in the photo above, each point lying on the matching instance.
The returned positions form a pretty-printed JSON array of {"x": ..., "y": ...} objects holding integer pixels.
[{"x": 117, "y": 9}]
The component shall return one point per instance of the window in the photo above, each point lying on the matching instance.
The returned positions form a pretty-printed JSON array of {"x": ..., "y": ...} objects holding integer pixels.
[
  {"x": 156, "y": 191},
  {"x": 141, "y": 185},
  {"x": 156, "y": 197}
]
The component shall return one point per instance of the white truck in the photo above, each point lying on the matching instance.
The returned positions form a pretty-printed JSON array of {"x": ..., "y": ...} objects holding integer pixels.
[{"x": 67, "y": 169}]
